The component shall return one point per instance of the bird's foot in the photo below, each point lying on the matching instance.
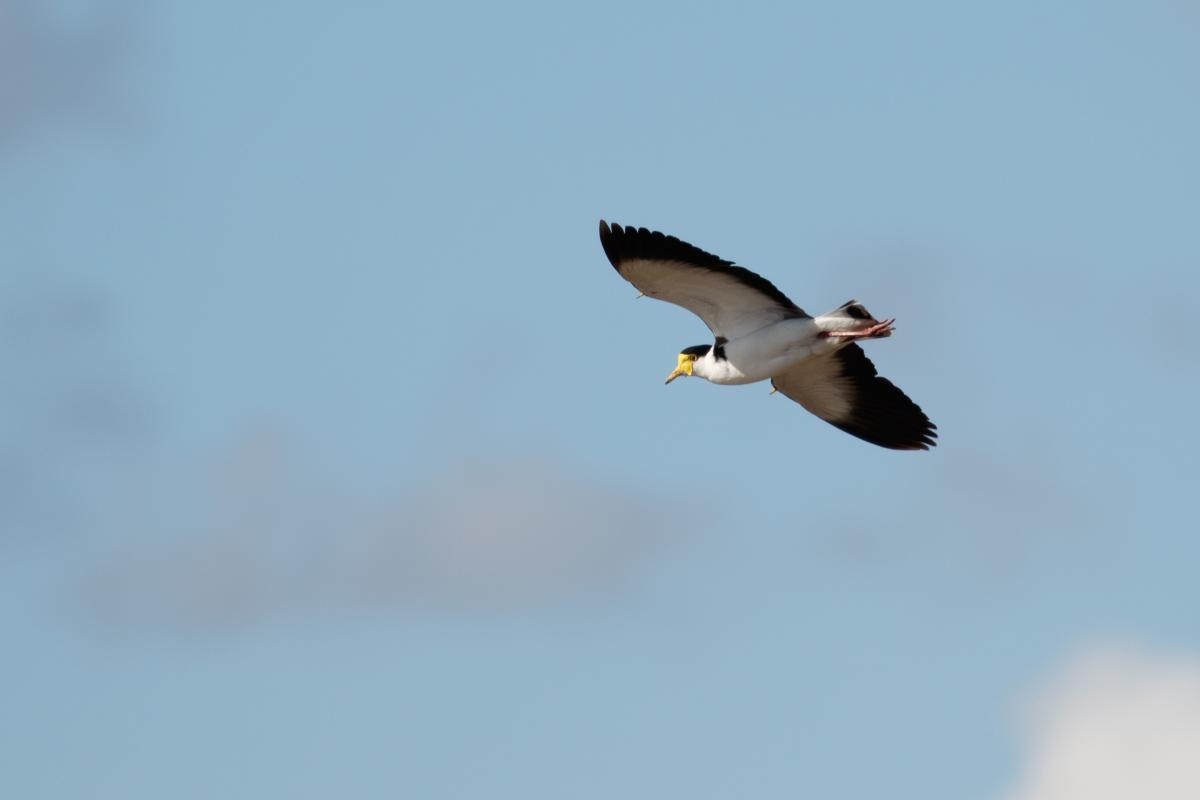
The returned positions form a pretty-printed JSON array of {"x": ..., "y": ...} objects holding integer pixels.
[{"x": 877, "y": 331}]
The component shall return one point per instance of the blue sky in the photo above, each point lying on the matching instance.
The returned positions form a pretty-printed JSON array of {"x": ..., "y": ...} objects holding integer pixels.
[{"x": 335, "y": 459}]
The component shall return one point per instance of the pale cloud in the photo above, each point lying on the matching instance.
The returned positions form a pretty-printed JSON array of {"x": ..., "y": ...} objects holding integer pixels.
[
  {"x": 271, "y": 542},
  {"x": 997, "y": 515},
  {"x": 71, "y": 409},
  {"x": 62, "y": 62},
  {"x": 1114, "y": 723}
]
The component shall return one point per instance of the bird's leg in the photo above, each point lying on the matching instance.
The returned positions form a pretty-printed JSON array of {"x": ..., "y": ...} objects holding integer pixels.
[{"x": 876, "y": 331}]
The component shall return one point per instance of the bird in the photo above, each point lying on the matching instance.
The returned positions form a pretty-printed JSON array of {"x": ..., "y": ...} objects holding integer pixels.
[{"x": 760, "y": 334}]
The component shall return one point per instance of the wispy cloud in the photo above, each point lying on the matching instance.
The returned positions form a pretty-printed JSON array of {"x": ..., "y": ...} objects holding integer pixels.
[
  {"x": 273, "y": 543},
  {"x": 995, "y": 513},
  {"x": 1114, "y": 723},
  {"x": 70, "y": 406},
  {"x": 61, "y": 66}
]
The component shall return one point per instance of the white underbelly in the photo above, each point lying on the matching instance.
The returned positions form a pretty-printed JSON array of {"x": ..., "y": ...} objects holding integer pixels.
[{"x": 771, "y": 351}]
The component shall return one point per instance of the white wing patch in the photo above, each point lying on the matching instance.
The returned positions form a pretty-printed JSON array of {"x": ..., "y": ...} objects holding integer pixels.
[
  {"x": 820, "y": 385},
  {"x": 728, "y": 307},
  {"x": 844, "y": 389},
  {"x": 732, "y": 300}
]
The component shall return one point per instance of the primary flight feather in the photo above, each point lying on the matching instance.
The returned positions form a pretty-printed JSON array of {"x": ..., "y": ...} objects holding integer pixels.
[{"x": 762, "y": 335}]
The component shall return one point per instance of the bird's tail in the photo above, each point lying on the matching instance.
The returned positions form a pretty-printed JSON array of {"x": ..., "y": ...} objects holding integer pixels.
[{"x": 852, "y": 315}]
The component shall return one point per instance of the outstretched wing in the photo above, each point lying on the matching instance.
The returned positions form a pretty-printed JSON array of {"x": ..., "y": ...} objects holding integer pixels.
[
  {"x": 844, "y": 389},
  {"x": 732, "y": 300}
]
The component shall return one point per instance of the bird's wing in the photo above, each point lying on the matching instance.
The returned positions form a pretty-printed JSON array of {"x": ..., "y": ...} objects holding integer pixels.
[
  {"x": 732, "y": 300},
  {"x": 844, "y": 389}
]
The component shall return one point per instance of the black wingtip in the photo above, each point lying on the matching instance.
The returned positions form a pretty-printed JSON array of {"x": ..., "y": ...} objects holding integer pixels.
[
  {"x": 608, "y": 240},
  {"x": 622, "y": 243},
  {"x": 883, "y": 415},
  {"x": 914, "y": 439}
]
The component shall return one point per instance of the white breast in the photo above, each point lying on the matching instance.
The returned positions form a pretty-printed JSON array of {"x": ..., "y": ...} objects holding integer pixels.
[{"x": 765, "y": 353}]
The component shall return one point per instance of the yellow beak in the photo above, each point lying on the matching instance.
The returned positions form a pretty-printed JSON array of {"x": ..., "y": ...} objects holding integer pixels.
[{"x": 684, "y": 367}]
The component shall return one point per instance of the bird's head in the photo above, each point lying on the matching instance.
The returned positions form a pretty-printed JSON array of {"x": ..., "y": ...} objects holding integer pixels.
[{"x": 687, "y": 361}]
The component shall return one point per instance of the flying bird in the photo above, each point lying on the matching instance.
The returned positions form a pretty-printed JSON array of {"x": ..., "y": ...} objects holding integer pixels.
[{"x": 760, "y": 334}]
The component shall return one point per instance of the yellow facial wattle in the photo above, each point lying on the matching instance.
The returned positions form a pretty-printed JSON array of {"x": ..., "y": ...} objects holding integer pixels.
[{"x": 684, "y": 367}]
